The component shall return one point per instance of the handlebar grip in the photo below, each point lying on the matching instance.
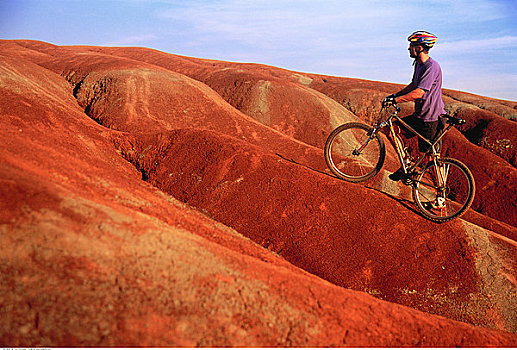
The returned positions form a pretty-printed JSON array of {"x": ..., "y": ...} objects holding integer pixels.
[{"x": 453, "y": 120}]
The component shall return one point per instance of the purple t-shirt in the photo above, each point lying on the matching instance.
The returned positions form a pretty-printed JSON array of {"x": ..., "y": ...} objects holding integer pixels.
[{"x": 428, "y": 77}]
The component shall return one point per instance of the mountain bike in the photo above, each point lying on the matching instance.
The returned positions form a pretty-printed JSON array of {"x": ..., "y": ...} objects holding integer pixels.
[{"x": 443, "y": 188}]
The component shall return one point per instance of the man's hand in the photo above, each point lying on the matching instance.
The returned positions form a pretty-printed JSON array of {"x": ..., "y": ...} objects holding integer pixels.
[{"x": 389, "y": 101}]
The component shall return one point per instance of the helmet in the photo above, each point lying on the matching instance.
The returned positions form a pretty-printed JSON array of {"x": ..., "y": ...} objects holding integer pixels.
[{"x": 422, "y": 38}]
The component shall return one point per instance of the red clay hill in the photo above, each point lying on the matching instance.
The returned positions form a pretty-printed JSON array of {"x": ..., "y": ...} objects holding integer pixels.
[{"x": 150, "y": 199}]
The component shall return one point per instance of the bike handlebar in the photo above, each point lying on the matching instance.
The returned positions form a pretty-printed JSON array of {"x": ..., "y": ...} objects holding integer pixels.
[
  {"x": 450, "y": 119},
  {"x": 453, "y": 120},
  {"x": 390, "y": 104}
]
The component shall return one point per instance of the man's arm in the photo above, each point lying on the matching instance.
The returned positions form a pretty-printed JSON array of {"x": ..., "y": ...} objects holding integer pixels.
[
  {"x": 406, "y": 90},
  {"x": 409, "y": 93},
  {"x": 417, "y": 89},
  {"x": 412, "y": 95}
]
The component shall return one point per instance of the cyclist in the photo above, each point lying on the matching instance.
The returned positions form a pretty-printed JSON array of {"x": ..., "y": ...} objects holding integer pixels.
[{"x": 425, "y": 90}]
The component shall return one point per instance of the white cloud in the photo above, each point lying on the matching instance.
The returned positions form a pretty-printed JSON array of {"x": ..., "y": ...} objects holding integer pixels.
[
  {"x": 348, "y": 38},
  {"x": 503, "y": 42},
  {"x": 132, "y": 40},
  {"x": 270, "y": 22},
  {"x": 331, "y": 24},
  {"x": 497, "y": 85}
]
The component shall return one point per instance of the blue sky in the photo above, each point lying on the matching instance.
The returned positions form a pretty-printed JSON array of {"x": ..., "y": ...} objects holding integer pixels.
[{"x": 477, "y": 39}]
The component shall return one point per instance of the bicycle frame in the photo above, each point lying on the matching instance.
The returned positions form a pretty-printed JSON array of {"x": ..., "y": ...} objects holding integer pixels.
[
  {"x": 443, "y": 188},
  {"x": 399, "y": 148}
]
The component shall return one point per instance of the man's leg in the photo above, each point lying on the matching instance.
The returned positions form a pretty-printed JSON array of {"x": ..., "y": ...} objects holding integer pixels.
[
  {"x": 403, "y": 142},
  {"x": 429, "y": 130}
]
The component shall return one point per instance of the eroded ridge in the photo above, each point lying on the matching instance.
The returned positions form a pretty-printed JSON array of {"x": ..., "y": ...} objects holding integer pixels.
[{"x": 94, "y": 256}]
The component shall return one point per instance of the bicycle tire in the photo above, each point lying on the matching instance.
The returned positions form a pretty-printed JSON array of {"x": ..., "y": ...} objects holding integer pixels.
[
  {"x": 341, "y": 157},
  {"x": 458, "y": 192}
]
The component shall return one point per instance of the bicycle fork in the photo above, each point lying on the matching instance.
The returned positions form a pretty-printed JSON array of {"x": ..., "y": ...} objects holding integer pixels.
[
  {"x": 440, "y": 172},
  {"x": 358, "y": 151}
]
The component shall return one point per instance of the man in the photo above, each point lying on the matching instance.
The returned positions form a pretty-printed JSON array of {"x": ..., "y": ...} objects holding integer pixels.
[{"x": 425, "y": 90}]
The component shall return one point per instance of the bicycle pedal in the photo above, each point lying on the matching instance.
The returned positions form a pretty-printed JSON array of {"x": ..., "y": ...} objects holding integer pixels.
[{"x": 407, "y": 181}]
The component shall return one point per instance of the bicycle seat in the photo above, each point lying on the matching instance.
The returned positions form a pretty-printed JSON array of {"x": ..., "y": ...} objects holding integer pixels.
[{"x": 453, "y": 120}]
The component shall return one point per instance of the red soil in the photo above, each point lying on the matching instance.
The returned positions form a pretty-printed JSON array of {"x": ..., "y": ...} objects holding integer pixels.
[
  {"x": 295, "y": 109},
  {"x": 94, "y": 256}
]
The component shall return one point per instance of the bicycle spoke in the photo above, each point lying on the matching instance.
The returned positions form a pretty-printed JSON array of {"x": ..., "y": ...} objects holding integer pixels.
[
  {"x": 342, "y": 152},
  {"x": 445, "y": 191},
  {"x": 444, "y": 171}
]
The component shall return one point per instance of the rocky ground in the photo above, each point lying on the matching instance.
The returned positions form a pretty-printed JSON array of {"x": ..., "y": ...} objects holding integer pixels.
[{"x": 150, "y": 199}]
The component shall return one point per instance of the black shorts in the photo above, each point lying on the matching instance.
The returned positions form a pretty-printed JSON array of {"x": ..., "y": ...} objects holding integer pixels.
[{"x": 429, "y": 130}]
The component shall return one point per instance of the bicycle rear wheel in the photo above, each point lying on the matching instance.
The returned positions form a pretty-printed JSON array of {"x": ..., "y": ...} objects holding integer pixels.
[
  {"x": 352, "y": 154},
  {"x": 444, "y": 203}
]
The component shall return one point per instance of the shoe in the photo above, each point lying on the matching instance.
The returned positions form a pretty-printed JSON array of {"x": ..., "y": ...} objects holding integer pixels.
[
  {"x": 397, "y": 175},
  {"x": 438, "y": 204}
]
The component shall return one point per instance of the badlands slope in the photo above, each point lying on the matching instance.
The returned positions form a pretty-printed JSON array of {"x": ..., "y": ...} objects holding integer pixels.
[{"x": 150, "y": 199}]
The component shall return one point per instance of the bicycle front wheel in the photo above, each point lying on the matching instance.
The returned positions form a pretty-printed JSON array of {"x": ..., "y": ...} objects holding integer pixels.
[
  {"x": 444, "y": 192},
  {"x": 353, "y": 154}
]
